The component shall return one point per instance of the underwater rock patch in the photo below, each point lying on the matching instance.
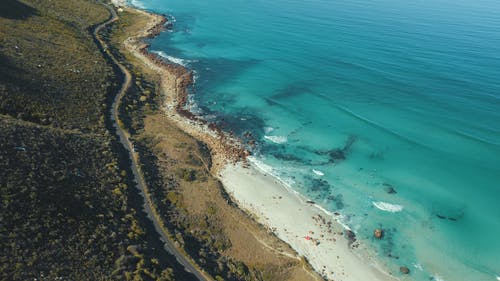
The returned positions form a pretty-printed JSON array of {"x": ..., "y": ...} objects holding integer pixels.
[{"x": 389, "y": 188}]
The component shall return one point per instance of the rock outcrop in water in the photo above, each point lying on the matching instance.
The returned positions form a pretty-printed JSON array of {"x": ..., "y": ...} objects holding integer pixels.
[
  {"x": 454, "y": 217},
  {"x": 404, "y": 270},
  {"x": 338, "y": 154},
  {"x": 155, "y": 30},
  {"x": 389, "y": 188}
]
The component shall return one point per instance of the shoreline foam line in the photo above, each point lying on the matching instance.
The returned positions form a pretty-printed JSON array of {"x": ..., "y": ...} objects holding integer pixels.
[
  {"x": 257, "y": 164},
  {"x": 179, "y": 61}
]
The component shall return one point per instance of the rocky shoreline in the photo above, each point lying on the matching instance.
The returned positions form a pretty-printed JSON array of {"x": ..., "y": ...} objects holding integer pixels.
[{"x": 176, "y": 81}]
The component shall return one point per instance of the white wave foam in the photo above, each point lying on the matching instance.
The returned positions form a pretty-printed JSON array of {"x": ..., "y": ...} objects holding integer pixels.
[
  {"x": 179, "y": 61},
  {"x": 267, "y": 130},
  {"x": 192, "y": 105},
  {"x": 388, "y": 207},
  {"x": 318, "y": 173},
  {"x": 137, "y": 4},
  {"x": 418, "y": 266},
  {"x": 288, "y": 183},
  {"x": 119, "y": 3},
  {"x": 195, "y": 76},
  {"x": 266, "y": 169},
  {"x": 498, "y": 278},
  {"x": 339, "y": 219},
  {"x": 438, "y": 278},
  {"x": 277, "y": 139},
  {"x": 261, "y": 165}
]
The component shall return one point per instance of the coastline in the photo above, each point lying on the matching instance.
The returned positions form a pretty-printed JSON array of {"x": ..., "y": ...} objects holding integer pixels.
[
  {"x": 282, "y": 211},
  {"x": 175, "y": 81},
  {"x": 309, "y": 229}
]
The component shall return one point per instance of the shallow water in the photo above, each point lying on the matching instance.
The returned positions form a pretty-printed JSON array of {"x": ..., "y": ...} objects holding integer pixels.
[{"x": 386, "y": 111}]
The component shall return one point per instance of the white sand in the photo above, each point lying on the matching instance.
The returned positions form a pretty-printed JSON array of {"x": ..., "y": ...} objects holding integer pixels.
[{"x": 290, "y": 217}]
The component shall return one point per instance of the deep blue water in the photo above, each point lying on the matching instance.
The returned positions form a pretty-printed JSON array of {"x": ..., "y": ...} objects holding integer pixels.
[{"x": 373, "y": 94}]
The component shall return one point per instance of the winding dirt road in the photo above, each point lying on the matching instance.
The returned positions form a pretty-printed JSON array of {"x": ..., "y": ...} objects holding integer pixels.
[{"x": 125, "y": 141}]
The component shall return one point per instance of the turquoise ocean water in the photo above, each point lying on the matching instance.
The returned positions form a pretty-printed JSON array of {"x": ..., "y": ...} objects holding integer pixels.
[{"x": 386, "y": 111}]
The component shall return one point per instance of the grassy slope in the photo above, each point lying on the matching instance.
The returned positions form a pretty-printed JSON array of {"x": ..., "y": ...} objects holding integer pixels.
[
  {"x": 51, "y": 71},
  {"x": 209, "y": 226},
  {"x": 66, "y": 203}
]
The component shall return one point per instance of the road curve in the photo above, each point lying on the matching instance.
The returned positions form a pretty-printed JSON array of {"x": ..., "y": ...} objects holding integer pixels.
[{"x": 125, "y": 141}]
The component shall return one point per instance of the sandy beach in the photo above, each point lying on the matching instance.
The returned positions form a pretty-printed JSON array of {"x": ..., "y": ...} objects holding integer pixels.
[
  {"x": 306, "y": 228},
  {"x": 310, "y": 231}
]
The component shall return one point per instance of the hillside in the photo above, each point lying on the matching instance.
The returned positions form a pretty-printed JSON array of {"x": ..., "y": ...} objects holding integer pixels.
[{"x": 68, "y": 207}]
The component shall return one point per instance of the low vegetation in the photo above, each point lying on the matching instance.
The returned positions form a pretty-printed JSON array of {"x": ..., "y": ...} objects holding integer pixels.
[
  {"x": 69, "y": 210},
  {"x": 141, "y": 98},
  {"x": 52, "y": 73},
  {"x": 201, "y": 216},
  {"x": 65, "y": 210}
]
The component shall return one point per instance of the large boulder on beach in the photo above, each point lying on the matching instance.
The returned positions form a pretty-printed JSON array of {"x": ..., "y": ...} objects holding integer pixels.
[
  {"x": 378, "y": 233},
  {"x": 404, "y": 270}
]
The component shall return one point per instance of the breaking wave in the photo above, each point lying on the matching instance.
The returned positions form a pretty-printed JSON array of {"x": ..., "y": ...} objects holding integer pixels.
[
  {"x": 175, "y": 60},
  {"x": 277, "y": 139},
  {"x": 318, "y": 173},
  {"x": 269, "y": 170},
  {"x": 418, "y": 266},
  {"x": 137, "y": 4},
  {"x": 437, "y": 278},
  {"x": 388, "y": 207},
  {"x": 268, "y": 129}
]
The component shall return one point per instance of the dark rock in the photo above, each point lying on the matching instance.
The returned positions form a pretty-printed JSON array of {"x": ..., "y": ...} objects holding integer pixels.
[
  {"x": 320, "y": 185},
  {"x": 378, "y": 233},
  {"x": 337, "y": 155},
  {"x": 404, "y": 270},
  {"x": 287, "y": 157},
  {"x": 350, "y": 235},
  {"x": 339, "y": 202},
  {"x": 389, "y": 189}
]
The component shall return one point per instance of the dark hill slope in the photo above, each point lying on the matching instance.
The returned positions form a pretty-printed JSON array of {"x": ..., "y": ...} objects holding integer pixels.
[
  {"x": 67, "y": 205},
  {"x": 52, "y": 72}
]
